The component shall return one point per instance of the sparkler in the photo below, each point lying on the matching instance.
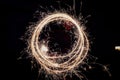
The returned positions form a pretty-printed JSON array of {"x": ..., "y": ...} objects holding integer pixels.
[
  {"x": 74, "y": 58},
  {"x": 60, "y": 65}
]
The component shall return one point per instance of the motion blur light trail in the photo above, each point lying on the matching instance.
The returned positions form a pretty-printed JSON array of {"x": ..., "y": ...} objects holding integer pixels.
[
  {"x": 59, "y": 59},
  {"x": 71, "y": 60}
]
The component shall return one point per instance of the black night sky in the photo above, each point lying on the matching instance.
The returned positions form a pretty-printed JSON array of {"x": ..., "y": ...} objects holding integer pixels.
[{"x": 103, "y": 35}]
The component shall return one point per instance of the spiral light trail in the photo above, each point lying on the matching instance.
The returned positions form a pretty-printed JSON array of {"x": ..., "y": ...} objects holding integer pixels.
[{"x": 69, "y": 61}]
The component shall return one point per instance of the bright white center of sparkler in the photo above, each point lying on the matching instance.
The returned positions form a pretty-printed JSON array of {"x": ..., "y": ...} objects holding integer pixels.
[
  {"x": 117, "y": 48},
  {"x": 44, "y": 48}
]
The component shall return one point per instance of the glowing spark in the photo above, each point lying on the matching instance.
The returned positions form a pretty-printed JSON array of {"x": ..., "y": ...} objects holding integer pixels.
[
  {"x": 117, "y": 48},
  {"x": 59, "y": 64}
]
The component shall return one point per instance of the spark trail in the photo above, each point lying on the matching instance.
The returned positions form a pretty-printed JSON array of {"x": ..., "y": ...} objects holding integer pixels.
[
  {"x": 54, "y": 64},
  {"x": 74, "y": 58}
]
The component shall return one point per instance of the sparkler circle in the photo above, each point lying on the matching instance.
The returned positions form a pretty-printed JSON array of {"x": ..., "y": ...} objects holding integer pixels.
[{"x": 69, "y": 61}]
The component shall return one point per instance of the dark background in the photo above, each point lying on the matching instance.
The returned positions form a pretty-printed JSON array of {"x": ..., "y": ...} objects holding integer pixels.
[{"x": 102, "y": 28}]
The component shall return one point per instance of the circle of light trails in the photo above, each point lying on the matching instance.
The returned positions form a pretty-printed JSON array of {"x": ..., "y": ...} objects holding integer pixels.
[{"x": 71, "y": 60}]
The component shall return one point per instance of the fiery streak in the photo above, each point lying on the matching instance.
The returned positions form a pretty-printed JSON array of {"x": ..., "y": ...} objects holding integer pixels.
[{"x": 71, "y": 60}]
